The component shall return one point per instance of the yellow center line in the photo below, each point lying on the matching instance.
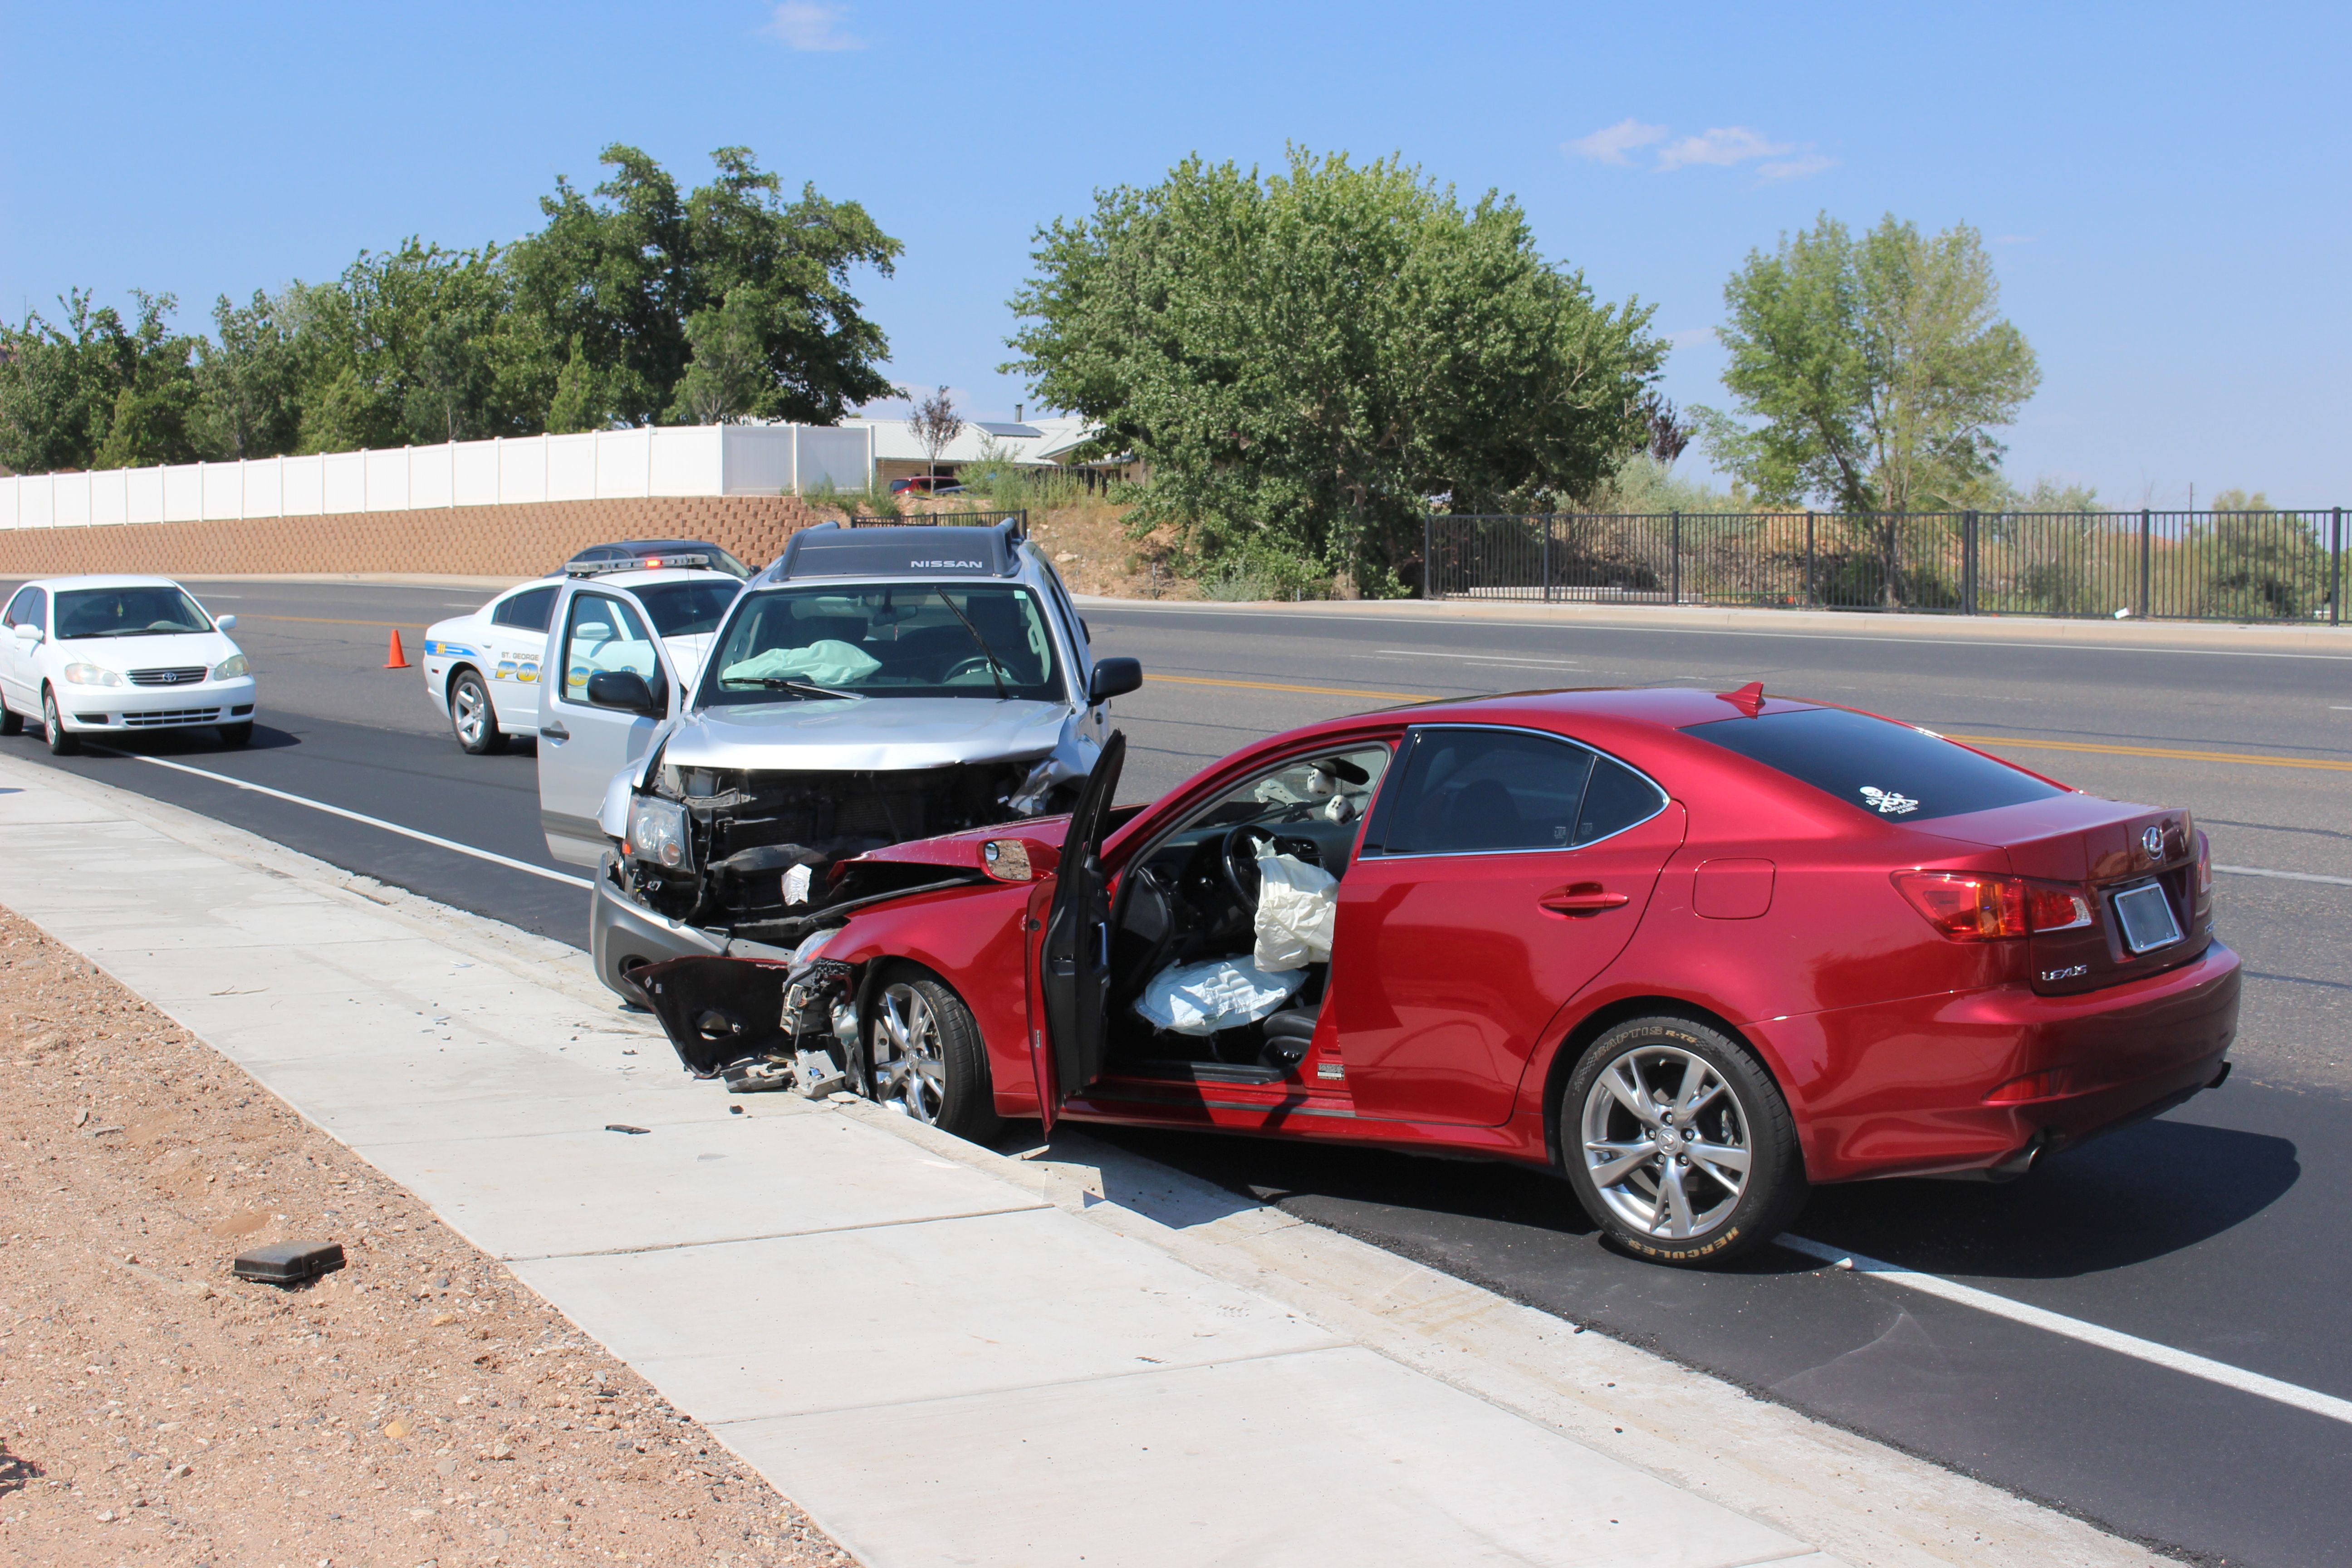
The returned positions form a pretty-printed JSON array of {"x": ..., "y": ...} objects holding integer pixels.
[
  {"x": 2251, "y": 759},
  {"x": 330, "y": 621},
  {"x": 2168, "y": 754}
]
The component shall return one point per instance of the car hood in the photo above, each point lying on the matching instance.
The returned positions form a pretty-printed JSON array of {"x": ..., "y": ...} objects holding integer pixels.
[
  {"x": 127, "y": 654},
  {"x": 871, "y": 734}
]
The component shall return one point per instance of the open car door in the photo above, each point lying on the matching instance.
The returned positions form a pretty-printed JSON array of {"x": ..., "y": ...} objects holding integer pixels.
[
  {"x": 582, "y": 745},
  {"x": 1074, "y": 963}
]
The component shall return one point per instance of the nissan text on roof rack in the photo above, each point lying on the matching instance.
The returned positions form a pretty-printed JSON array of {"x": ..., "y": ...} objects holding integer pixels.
[
  {"x": 116, "y": 656},
  {"x": 482, "y": 671},
  {"x": 1691, "y": 952},
  {"x": 873, "y": 685}
]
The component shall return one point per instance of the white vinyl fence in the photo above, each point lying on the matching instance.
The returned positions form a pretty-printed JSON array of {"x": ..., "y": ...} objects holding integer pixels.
[{"x": 602, "y": 465}]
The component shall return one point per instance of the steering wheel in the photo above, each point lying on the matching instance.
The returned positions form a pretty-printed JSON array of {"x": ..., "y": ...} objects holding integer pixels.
[
  {"x": 1238, "y": 858},
  {"x": 976, "y": 664}
]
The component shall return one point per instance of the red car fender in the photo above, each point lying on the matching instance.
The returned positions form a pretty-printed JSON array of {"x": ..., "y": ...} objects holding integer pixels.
[{"x": 971, "y": 938}]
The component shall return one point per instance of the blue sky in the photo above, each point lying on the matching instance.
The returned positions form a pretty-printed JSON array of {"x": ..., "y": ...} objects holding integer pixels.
[{"x": 2164, "y": 187}]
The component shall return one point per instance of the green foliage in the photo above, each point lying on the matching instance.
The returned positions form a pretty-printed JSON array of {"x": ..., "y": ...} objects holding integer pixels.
[
  {"x": 1644, "y": 486},
  {"x": 1877, "y": 368},
  {"x": 633, "y": 304},
  {"x": 622, "y": 278},
  {"x": 1305, "y": 360},
  {"x": 2260, "y": 561},
  {"x": 96, "y": 392}
]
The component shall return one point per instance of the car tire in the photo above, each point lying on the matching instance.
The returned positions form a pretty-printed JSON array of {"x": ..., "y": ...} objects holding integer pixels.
[
  {"x": 472, "y": 718},
  {"x": 62, "y": 741},
  {"x": 11, "y": 721},
  {"x": 236, "y": 735},
  {"x": 924, "y": 1052},
  {"x": 1678, "y": 1143}
]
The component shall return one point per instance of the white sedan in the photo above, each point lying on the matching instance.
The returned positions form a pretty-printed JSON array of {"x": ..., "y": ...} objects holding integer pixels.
[
  {"x": 482, "y": 671},
  {"x": 98, "y": 656}
]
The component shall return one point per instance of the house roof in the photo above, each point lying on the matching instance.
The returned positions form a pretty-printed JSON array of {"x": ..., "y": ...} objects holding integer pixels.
[{"x": 1040, "y": 441}]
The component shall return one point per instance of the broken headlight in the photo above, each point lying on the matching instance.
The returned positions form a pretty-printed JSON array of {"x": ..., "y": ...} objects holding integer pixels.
[{"x": 657, "y": 834}]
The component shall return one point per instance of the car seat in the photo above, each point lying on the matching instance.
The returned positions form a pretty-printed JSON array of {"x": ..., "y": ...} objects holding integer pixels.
[{"x": 1478, "y": 816}]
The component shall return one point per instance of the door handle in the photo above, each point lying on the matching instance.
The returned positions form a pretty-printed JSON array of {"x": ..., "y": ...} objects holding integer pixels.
[
  {"x": 554, "y": 731},
  {"x": 1582, "y": 898}
]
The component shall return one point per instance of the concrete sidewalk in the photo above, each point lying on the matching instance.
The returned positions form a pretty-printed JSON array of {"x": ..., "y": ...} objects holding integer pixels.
[{"x": 944, "y": 1354}]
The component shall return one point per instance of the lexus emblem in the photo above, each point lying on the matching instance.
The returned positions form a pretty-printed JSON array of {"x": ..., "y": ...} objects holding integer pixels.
[{"x": 2152, "y": 840}]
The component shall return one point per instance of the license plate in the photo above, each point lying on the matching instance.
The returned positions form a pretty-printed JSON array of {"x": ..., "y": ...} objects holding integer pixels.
[{"x": 2146, "y": 917}]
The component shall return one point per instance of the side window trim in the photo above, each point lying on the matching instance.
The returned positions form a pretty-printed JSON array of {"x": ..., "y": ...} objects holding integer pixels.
[{"x": 1376, "y": 827}]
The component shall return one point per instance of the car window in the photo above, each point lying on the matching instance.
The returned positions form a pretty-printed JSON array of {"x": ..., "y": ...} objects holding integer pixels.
[
  {"x": 1071, "y": 624},
  {"x": 686, "y": 609},
  {"x": 1329, "y": 786},
  {"x": 903, "y": 641},
  {"x": 1890, "y": 770},
  {"x": 528, "y": 610},
  {"x": 1467, "y": 790},
  {"x": 602, "y": 633},
  {"x": 25, "y": 609},
  {"x": 157, "y": 610}
]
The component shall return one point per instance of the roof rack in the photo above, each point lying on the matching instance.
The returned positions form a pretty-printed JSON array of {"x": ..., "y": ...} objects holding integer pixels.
[{"x": 1018, "y": 519}]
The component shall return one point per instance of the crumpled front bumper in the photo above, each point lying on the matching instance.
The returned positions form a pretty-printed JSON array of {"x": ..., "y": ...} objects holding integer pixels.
[{"x": 624, "y": 934}]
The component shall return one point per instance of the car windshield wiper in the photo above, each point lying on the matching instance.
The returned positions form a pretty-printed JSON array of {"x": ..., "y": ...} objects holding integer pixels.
[
  {"x": 131, "y": 632},
  {"x": 986, "y": 652},
  {"x": 781, "y": 683}
]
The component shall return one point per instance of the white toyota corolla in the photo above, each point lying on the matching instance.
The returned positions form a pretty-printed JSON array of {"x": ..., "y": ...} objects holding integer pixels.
[
  {"x": 482, "y": 671},
  {"x": 96, "y": 656}
]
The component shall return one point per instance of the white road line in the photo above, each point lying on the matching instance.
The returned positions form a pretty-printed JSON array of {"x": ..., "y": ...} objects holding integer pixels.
[
  {"x": 2286, "y": 876},
  {"x": 434, "y": 839},
  {"x": 2132, "y": 1345},
  {"x": 1480, "y": 657}
]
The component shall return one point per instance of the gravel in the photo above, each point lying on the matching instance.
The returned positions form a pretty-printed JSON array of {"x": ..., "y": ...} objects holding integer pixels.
[{"x": 420, "y": 1406}]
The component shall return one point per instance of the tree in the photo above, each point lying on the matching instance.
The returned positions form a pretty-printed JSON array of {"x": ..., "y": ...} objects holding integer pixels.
[
  {"x": 620, "y": 277},
  {"x": 96, "y": 393},
  {"x": 935, "y": 423},
  {"x": 1307, "y": 360},
  {"x": 1877, "y": 368},
  {"x": 250, "y": 376}
]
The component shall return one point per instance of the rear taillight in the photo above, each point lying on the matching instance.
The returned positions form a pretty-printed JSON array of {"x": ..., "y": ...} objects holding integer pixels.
[
  {"x": 1976, "y": 906},
  {"x": 2204, "y": 865},
  {"x": 2033, "y": 1085}
]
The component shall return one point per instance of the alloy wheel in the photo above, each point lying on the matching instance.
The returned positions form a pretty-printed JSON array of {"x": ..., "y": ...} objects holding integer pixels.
[
  {"x": 473, "y": 711},
  {"x": 911, "y": 1069},
  {"x": 1666, "y": 1142}
]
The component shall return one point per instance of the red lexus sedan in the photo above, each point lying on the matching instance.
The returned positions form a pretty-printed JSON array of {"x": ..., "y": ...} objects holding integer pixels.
[{"x": 1694, "y": 951}]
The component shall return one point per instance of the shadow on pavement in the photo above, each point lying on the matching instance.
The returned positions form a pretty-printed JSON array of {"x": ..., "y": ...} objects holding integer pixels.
[{"x": 2139, "y": 1194}]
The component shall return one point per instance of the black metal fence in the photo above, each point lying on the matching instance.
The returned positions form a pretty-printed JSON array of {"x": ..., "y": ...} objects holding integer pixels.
[{"x": 2166, "y": 566}]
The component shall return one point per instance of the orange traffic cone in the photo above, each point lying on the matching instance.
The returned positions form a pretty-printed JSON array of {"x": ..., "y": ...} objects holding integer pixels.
[{"x": 394, "y": 658}]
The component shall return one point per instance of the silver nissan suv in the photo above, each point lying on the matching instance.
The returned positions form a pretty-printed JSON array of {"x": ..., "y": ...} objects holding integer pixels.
[{"x": 873, "y": 685}]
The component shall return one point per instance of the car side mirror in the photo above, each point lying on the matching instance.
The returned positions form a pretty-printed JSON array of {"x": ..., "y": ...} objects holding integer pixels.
[
  {"x": 225, "y": 623},
  {"x": 624, "y": 689},
  {"x": 1113, "y": 677},
  {"x": 27, "y": 632}
]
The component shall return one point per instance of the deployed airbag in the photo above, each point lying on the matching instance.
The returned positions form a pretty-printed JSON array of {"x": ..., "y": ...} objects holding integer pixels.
[
  {"x": 1298, "y": 905},
  {"x": 827, "y": 661},
  {"x": 1215, "y": 994}
]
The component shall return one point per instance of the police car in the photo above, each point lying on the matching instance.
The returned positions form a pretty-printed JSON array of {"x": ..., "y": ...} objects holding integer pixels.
[{"x": 483, "y": 670}]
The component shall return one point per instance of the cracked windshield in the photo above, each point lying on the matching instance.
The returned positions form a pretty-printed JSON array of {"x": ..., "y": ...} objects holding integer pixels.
[{"x": 907, "y": 641}]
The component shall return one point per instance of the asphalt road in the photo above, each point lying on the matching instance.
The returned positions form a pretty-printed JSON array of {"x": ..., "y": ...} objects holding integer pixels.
[{"x": 2202, "y": 1232}]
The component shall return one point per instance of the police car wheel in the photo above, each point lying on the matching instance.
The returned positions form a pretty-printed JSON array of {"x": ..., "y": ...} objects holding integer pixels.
[{"x": 471, "y": 717}]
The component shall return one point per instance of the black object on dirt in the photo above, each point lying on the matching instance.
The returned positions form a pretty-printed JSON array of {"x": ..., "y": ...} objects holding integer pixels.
[
  {"x": 624, "y": 1127},
  {"x": 289, "y": 1262}
]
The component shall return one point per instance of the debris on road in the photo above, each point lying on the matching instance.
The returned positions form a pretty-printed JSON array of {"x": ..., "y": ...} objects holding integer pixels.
[
  {"x": 419, "y": 1404},
  {"x": 289, "y": 1262}
]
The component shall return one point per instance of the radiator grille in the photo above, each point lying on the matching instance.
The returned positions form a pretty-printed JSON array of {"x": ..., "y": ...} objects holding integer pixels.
[
  {"x": 172, "y": 716},
  {"x": 187, "y": 677}
]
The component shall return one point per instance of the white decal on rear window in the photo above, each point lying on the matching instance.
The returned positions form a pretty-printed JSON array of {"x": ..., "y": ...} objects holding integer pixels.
[{"x": 1888, "y": 803}]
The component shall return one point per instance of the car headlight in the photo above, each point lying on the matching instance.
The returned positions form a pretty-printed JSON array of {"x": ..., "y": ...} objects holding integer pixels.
[
  {"x": 657, "y": 834},
  {"x": 91, "y": 675},
  {"x": 231, "y": 667}
]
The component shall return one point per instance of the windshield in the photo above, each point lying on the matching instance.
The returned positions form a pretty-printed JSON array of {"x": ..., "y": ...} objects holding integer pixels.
[
  {"x": 912, "y": 639},
  {"x": 144, "y": 612},
  {"x": 686, "y": 609}
]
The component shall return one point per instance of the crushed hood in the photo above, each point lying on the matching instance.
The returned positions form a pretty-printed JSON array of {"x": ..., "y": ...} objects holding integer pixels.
[{"x": 871, "y": 734}]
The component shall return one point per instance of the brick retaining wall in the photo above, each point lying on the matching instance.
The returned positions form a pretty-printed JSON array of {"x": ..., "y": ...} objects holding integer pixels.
[{"x": 521, "y": 539}]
